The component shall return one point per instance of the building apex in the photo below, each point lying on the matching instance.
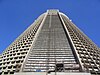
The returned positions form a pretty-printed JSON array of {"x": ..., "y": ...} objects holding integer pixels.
[{"x": 52, "y": 11}]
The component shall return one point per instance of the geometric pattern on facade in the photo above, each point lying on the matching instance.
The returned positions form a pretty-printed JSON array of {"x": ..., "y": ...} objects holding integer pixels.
[
  {"x": 51, "y": 44},
  {"x": 51, "y": 49},
  {"x": 12, "y": 58},
  {"x": 88, "y": 52}
]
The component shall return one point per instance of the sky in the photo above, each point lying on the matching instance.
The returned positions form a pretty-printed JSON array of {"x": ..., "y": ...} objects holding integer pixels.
[{"x": 17, "y": 15}]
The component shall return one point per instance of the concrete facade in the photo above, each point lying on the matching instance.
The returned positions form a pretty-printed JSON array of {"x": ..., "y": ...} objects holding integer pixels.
[
  {"x": 52, "y": 45},
  {"x": 52, "y": 73}
]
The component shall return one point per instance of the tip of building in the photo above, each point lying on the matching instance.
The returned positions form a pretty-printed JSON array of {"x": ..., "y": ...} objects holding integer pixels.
[{"x": 55, "y": 12}]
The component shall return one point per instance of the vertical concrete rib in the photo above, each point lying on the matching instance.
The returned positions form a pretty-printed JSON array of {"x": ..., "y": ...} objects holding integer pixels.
[
  {"x": 33, "y": 42},
  {"x": 78, "y": 58}
]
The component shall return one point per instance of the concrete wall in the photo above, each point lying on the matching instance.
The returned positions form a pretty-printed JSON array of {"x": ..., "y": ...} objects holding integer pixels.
[{"x": 52, "y": 73}]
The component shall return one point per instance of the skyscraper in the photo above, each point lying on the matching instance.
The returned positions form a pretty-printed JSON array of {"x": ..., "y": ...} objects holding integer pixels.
[{"x": 51, "y": 45}]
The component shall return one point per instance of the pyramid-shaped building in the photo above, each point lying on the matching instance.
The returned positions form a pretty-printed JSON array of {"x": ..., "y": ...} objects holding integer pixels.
[{"x": 52, "y": 45}]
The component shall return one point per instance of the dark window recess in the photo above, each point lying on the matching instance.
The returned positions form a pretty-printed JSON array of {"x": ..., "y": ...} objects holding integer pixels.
[
  {"x": 59, "y": 67},
  {"x": 5, "y": 72},
  {"x": 11, "y": 72}
]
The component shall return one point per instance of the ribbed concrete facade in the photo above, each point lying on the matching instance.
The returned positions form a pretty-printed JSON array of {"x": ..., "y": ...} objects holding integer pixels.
[{"x": 51, "y": 45}]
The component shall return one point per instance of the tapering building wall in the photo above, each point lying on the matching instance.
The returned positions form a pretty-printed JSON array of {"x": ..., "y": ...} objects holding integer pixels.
[
  {"x": 88, "y": 52},
  {"x": 51, "y": 44},
  {"x": 51, "y": 48},
  {"x": 12, "y": 58}
]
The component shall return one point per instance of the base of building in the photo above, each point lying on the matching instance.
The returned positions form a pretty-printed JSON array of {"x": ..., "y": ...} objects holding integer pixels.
[{"x": 52, "y": 73}]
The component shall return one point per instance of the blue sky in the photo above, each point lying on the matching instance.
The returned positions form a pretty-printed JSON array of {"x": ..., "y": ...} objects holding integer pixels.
[{"x": 17, "y": 15}]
